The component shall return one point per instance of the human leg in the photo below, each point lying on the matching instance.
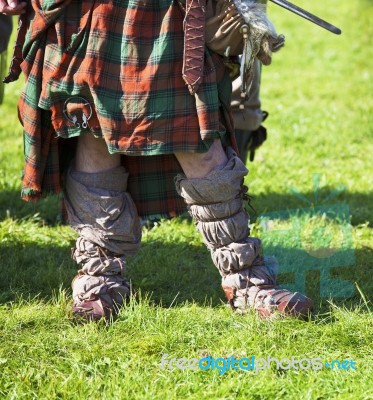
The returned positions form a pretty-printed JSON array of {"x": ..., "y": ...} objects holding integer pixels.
[
  {"x": 199, "y": 165},
  {"x": 101, "y": 210},
  {"x": 215, "y": 201}
]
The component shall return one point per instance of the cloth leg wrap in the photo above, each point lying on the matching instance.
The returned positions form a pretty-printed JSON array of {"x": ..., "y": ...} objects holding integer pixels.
[
  {"x": 216, "y": 204},
  {"x": 248, "y": 279},
  {"x": 104, "y": 215},
  {"x": 110, "y": 289}
]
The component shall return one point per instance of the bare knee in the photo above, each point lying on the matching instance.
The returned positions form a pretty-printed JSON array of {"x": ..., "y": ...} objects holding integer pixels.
[
  {"x": 92, "y": 155},
  {"x": 199, "y": 165}
]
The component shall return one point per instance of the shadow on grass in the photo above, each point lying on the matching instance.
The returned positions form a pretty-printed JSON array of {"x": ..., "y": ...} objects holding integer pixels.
[
  {"x": 49, "y": 209},
  {"x": 358, "y": 203},
  {"x": 170, "y": 274}
]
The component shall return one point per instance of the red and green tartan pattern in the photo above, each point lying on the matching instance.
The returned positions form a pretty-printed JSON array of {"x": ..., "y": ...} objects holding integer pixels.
[{"x": 122, "y": 60}]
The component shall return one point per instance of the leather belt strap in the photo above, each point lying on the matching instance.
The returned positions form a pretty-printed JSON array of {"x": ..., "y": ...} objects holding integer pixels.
[{"x": 194, "y": 43}]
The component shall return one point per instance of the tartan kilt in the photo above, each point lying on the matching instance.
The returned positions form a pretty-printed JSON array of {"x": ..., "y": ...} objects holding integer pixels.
[{"x": 114, "y": 69}]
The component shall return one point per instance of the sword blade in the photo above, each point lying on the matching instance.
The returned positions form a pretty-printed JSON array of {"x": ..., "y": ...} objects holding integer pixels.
[{"x": 307, "y": 15}]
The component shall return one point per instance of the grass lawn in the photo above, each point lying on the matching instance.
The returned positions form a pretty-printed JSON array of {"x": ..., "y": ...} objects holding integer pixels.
[{"x": 312, "y": 186}]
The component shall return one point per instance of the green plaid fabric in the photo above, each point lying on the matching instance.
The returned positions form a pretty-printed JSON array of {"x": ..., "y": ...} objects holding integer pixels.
[{"x": 117, "y": 64}]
